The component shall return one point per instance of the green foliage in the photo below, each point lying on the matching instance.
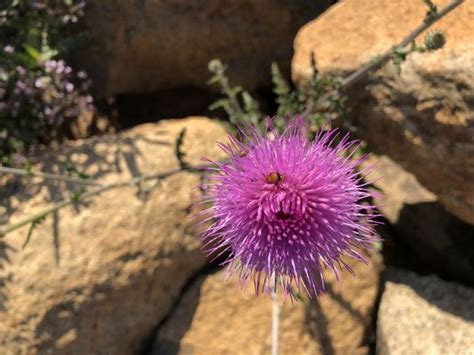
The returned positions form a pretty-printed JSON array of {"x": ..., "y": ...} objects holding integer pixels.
[
  {"x": 432, "y": 13},
  {"x": 236, "y": 102},
  {"x": 399, "y": 55},
  {"x": 325, "y": 89},
  {"x": 434, "y": 40},
  {"x": 289, "y": 101},
  {"x": 292, "y": 101},
  {"x": 241, "y": 107}
]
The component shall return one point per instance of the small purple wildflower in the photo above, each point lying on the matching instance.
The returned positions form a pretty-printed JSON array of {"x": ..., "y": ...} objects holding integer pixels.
[
  {"x": 20, "y": 70},
  {"x": 69, "y": 87},
  {"x": 9, "y": 49},
  {"x": 287, "y": 208},
  {"x": 82, "y": 74}
]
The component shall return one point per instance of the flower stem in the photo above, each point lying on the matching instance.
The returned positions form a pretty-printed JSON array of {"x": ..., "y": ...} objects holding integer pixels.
[{"x": 275, "y": 320}]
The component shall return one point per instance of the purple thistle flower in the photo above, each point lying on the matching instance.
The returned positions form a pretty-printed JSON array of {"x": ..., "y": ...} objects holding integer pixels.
[{"x": 285, "y": 208}]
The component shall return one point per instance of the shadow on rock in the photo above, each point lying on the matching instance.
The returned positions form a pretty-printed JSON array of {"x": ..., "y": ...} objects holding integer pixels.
[
  {"x": 429, "y": 240},
  {"x": 4, "y": 259},
  {"x": 168, "y": 337}
]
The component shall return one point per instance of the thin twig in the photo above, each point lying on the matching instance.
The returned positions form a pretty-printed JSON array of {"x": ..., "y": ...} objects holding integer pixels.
[
  {"x": 74, "y": 199},
  {"x": 50, "y": 176},
  {"x": 372, "y": 66}
]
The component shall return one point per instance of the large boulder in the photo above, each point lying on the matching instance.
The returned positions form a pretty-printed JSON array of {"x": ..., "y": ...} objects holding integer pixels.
[
  {"x": 216, "y": 317},
  {"x": 424, "y": 315},
  {"x": 423, "y": 118},
  {"x": 143, "y": 46},
  {"x": 96, "y": 278}
]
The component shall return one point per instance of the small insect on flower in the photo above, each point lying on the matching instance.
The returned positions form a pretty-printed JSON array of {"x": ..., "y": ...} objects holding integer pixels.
[
  {"x": 274, "y": 178},
  {"x": 288, "y": 208}
]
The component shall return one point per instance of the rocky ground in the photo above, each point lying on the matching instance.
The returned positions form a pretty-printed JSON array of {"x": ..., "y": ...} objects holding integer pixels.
[{"x": 124, "y": 274}]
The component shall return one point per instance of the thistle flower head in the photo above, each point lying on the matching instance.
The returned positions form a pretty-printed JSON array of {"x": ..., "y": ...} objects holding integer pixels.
[{"x": 285, "y": 208}]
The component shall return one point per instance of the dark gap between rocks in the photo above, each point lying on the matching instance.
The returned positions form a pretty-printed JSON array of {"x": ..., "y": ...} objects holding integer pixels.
[
  {"x": 428, "y": 240},
  {"x": 370, "y": 335},
  {"x": 129, "y": 110}
]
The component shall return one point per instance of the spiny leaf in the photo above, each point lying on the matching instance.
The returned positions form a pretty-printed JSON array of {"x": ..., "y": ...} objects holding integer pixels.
[
  {"x": 233, "y": 98},
  {"x": 280, "y": 85},
  {"x": 213, "y": 80},
  {"x": 218, "y": 104}
]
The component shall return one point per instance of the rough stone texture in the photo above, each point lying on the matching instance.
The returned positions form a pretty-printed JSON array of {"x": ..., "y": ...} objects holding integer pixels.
[
  {"x": 424, "y": 118},
  {"x": 423, "y": 232},
  {"x": 425, "y": 315},
  {"x": 97, "y": 279},
  {"x": 142, "y": 46},
  {"x": 399, "y": 187},
  {"x": 215, "y": 317}
]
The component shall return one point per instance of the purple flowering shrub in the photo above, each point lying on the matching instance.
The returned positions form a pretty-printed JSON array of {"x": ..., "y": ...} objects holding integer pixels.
[{"x": 39, "y": 92}]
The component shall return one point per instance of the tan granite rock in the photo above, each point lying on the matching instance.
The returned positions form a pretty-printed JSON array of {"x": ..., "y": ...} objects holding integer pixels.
[
  {"x": 144, "y": 46},
  {"x": 423, "y": 119},
  {"x": 425, "y": 315},
  {"x": 216, "y": 317},
  {"x": 98, "y": 277}
]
